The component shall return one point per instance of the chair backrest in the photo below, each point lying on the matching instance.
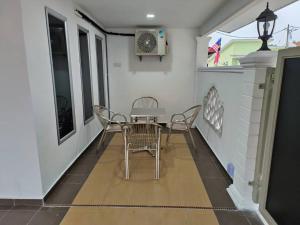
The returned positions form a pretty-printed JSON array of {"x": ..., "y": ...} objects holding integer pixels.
[
  {"x": 191, "y": 114},
  {"x": 107, "y": 117},
  {"x": 102, "y": 114},
  {"x": 145, "y": 102},
  {"x": 140, "y": 135}
]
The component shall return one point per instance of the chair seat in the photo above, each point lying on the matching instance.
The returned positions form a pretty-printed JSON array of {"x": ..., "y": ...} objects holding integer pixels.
[
  {"x": 142, "y": 141},
  {"x": 142, "y": 137},
  {"x": 114, "y": 128},
  {"x": 177, "y": 126},
  {"x": 185, "y": 123}
]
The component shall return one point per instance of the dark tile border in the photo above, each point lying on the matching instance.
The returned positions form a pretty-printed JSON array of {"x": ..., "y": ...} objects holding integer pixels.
[
  {"x": 28, "y": 202},
  {"x": 213, "y": 175},
  {"x": 229, "y": 179},
  {"x": 49, "y": 216},
  {"x": 21, "y": 202},
  {"x": 6, "y": 202}
]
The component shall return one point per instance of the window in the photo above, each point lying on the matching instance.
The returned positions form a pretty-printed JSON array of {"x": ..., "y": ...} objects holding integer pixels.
[
  {"x": 57, "y": 36},
  {"x": 85, "y": 75},
  {"x": 101, "y": 85}
]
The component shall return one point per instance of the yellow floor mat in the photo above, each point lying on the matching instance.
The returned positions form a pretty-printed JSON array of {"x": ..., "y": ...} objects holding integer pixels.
[
  {"x": 179, "y": 183},
  {"x": 179, "y": 186},
  {"x": 138, "y": 216}
]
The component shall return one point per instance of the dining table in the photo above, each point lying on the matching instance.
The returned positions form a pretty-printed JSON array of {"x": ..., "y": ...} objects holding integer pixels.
[{"x": 147, "y": 113}]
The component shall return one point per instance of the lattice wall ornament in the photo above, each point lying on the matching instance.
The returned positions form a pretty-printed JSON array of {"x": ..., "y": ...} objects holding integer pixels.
[{"x": 213, "y": 110}]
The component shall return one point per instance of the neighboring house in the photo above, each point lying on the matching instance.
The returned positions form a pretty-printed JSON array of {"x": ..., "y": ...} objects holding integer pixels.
[
  {"x": 296, "y": 43},
  {"x": 238, "y": 48},
  {"x": 234, "y": 50}
]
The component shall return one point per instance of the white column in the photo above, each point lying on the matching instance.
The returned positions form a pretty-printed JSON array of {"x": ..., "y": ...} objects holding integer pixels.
[
  {"x": 202, "y": 51},
  {"x": 201, "y": 61},
  {"x": 255, "y": 69},
  {"x": 20, "y": 176}
]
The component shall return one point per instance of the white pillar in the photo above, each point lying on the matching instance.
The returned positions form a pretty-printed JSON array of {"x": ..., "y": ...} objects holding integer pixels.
[
  {"x": 255, "y": 70},
  {"x": 201, "y": 61},
  {"x": 20, "y": 176},
  {"x": 202, "y": 51}
]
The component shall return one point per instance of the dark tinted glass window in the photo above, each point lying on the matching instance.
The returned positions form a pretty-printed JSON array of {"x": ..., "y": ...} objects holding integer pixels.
[
  {"x": 100, "y": 71},
  {"x": 85, "y": 75},
  {"x": 61, "y": 76},
  {"x": 284, "y": 183}
]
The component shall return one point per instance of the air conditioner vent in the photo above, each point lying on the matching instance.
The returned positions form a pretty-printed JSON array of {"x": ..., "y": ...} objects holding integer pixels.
[
  {"x": 146, "y": 42},
  {"x": 150, "y": 42}
]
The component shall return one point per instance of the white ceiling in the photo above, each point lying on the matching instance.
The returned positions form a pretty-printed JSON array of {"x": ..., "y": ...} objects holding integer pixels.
[
  {"x": 169, "y": 13},
  {"x": 207, "y": 15},
  {"x": 249, "y": 13}
]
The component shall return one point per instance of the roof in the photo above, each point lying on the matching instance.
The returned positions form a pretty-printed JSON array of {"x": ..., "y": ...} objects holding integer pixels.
[{"x": 233, "y": 41}]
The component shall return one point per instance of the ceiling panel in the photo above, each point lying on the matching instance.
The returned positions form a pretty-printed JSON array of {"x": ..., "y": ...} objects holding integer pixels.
[
  {"x": 169, "y": 13},
  {"x": 207, "y": 15}
]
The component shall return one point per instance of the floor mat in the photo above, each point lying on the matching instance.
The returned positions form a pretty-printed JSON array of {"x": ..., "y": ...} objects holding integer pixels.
[
  {"x": 138, "y": 216},
  {"x": 179, "y": 183}
]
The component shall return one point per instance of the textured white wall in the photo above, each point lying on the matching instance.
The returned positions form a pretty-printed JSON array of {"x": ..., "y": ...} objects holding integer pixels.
[
  {"x": 229, "y": 85},
  {"x": 247, "y": 138},
  {"x": 54, "y": 158},
  {"x": 170, "y": 81},
  {"x": 238, "y": 89},
  {"x": 19, "y": 164}
]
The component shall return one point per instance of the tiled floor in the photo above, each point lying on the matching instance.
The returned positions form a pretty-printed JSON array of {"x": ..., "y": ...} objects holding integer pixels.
[{"x": 57, "y": 202}]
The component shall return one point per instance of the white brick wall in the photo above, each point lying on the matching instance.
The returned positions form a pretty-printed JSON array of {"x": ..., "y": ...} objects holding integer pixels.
[{"x": 239, "y": 90}]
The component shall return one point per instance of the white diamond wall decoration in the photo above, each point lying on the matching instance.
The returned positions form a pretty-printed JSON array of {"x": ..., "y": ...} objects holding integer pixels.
[{"x": 213, "y": 110}]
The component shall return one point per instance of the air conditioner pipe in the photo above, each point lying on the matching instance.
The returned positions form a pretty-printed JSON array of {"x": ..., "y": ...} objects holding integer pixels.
[
  {"x": 85, "y": 17},
  {"x": 89, "y": 20}
]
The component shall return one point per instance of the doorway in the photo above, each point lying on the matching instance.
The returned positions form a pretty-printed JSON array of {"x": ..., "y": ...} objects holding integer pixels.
[{"x": 280, "y": 190}]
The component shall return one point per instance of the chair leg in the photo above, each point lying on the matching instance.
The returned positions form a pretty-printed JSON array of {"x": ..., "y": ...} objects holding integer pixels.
[
  {"x": 101, "y": 141},
  {"x": 192, "y": 138},
  {"x": 126, "y": 163},
  {"x": 168, "y": 136},
  {"x": 157, "y": 168}
]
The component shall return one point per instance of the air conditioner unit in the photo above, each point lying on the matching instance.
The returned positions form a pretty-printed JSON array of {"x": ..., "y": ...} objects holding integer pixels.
[{"x": 150, "y": 42}]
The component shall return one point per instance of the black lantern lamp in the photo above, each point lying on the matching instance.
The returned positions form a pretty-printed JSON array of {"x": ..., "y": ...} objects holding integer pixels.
[{"x": 265, "y": 27}]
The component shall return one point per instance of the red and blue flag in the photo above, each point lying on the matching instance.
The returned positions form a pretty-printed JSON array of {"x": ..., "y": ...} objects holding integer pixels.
[{"x": 216, "y": 48}]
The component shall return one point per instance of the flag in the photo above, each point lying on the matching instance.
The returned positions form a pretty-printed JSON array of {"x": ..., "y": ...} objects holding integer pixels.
[
  {"x": 216, "y": 48},
  {"x": 210, "y": 51}
]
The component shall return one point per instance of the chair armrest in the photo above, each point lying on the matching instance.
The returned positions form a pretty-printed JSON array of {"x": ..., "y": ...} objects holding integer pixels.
[
  {"x": 158, "y": 125},
  {"x": 116, "y": 115},
  {"x": 192, "y": 108},
  {"x": 174, "y": 120}
]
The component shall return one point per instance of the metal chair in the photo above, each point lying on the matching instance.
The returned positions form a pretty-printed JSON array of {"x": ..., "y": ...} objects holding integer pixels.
[
  {"x": 145, "y": 102},
  {"x": 109, "y": 121},
  {"x": 142, "y": 137},
  {"x": 183, "y": 122}
]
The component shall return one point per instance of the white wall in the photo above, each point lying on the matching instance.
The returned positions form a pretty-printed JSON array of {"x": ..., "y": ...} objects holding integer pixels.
[
  {"x": 229, "y": 84},
  {"x": 170, "y": 81},
  {"x": 19, "y": 164},
  {"x": 242, "y": 98},
  {"x": 54, "y": 158}
]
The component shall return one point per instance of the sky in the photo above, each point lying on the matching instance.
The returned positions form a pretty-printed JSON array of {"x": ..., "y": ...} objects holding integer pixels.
[{"x": 287, "y": 15}]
